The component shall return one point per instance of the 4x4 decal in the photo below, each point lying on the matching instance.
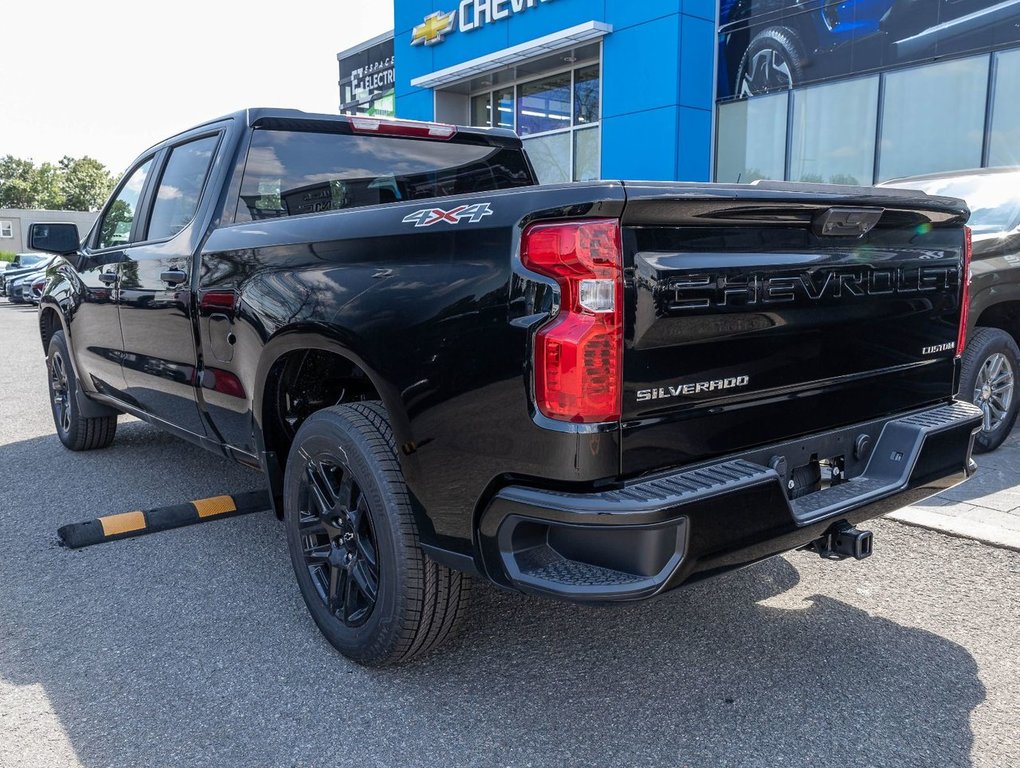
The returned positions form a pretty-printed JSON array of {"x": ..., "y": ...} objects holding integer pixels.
[{"x": 426, "y": 217}]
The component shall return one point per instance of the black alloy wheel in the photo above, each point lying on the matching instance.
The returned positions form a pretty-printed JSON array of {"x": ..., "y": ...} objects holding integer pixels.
[
  {"x": 354, "y": 542},
  {"x": 337, "y": 539},
  {"x": 76, "y": 431},
  {"x": 60, "y": 392}
]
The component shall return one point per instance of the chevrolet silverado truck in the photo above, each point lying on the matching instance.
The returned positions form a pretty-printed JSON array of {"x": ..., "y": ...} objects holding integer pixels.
[{"x": 590, "y": 391}]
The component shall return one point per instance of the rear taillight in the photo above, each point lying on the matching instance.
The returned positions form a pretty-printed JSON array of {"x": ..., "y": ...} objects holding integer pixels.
[
  {"x": 961, "y": 335},
  {"x": 374, "y": 125},
  {"x": 579, "y": 355}
]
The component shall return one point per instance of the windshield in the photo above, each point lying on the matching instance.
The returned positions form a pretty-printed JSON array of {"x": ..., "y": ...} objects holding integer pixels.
[
  {"x": 29, "y": 259},
  {"x": 993, "y": 198}
]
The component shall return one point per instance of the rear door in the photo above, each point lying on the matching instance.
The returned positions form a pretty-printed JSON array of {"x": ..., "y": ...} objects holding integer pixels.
[
  {"x": 160, "y": 358},
  {"x": 748, "y": 324}
]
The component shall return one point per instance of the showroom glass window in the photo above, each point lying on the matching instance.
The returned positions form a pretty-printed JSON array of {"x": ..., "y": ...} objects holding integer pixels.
[
  {"x": 832, "y": 132},
  {"x": 1004, "y": 141},
  {"x": 751, "y": 141},
  {"x": 933, "y": 118},
  {"x": 556, "y": 113}
]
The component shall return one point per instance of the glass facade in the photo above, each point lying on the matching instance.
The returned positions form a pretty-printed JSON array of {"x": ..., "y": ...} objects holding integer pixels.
[
  {"x": 933, "y": 118},
  {"x": 557, "y": 115},
  {"x": 950, "y": 115},
  {"x": 752, "y": 139},
  {"x": 832, "y": 136},
  {"x": 1004, "y": 135}
]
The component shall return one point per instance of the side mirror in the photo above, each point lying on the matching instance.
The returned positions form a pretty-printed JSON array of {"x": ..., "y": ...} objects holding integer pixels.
[{"x": 62, "y": 239}]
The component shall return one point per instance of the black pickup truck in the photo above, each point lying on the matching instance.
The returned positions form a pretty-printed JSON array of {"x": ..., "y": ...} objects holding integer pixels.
[{"x": 592, "y": 391}]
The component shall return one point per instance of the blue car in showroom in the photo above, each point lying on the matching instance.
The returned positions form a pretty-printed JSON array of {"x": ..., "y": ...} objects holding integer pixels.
[{"x": 772, "y": 45}]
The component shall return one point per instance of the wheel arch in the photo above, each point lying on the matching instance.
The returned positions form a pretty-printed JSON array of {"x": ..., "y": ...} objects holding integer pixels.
[
  {"x": 51, "y": 320},
  {"x": 996, "y": 311},
  {"x": 278, "y": 353}
]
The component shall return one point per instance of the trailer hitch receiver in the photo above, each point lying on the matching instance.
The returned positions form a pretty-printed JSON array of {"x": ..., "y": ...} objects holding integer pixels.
[{"x": 841, "y": 541}]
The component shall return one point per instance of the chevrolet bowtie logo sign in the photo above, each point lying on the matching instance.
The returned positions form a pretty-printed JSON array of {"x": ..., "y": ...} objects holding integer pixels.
[
  {"x": 434, "y": 29},
  {"x": 469, "y": 16}
]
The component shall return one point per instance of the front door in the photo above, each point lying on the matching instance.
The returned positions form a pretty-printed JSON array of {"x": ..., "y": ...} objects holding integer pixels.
[
  {"x": 94, "y": 318},
  {"x": 160, "y": 359}
]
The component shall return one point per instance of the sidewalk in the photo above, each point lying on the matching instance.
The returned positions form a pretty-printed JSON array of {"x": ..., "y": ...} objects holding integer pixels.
[{"x": 986, "y": 507}]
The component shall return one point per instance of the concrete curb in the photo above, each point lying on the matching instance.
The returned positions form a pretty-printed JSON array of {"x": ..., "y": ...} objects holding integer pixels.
[{"x": 958, "y": 526}]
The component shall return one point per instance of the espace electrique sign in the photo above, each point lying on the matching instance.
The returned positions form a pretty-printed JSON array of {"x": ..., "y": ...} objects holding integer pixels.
[{"x": 469, "y": 16}]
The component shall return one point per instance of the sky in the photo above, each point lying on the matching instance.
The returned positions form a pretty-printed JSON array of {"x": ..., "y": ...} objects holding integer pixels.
[{"x": 110, "y": 78}]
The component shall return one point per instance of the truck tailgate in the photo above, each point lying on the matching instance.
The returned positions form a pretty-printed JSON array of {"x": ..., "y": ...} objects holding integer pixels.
[{"x": 761, "y": 313}]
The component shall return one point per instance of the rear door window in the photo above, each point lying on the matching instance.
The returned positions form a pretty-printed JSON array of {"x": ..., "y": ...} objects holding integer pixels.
[
  {"x": 290, "y": 172},
  {"x": 181, "y": 187}
]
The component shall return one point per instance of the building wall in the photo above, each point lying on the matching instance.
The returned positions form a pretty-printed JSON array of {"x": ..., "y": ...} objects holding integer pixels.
[
  {"x": 657, "y": 81},
  {"x": 868, "y": 91},
  {"x": 21, "y": 219}
]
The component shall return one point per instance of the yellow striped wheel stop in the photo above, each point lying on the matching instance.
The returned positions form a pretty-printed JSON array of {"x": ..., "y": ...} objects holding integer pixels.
[{"x": 129, "y": 524}]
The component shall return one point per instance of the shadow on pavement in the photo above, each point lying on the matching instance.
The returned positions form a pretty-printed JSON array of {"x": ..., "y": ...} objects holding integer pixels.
[
  {"x": 192, "y": 647},
  {"x": 997, "y": 476}
]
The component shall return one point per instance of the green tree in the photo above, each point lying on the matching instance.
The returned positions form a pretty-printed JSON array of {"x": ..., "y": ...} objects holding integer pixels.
[
  {"x": 86, "y": 183},
  {"x": 49, "y": 193},
  {"x": 18, "y": 188}
]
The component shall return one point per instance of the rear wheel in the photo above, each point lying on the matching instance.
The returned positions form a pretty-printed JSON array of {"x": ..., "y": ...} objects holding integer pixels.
[
  {"x": 77, "y": 432},
  {"x": 991, "y": 364},
  {"x": 354, "y": 543}
]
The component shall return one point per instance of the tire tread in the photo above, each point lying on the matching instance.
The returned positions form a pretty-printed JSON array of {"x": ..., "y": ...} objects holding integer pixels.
[{"x": 436, "y": 600}]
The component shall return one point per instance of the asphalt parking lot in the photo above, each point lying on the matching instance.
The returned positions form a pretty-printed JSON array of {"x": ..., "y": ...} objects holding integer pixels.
[{"x": 192, "y": 647}]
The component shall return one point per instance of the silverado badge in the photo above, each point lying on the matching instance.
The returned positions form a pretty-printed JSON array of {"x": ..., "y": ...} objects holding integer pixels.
[{"x": 696, "y": 388}]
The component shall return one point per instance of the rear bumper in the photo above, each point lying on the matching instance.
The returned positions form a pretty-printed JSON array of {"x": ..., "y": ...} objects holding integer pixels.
[{"x": 653, "y": 534}]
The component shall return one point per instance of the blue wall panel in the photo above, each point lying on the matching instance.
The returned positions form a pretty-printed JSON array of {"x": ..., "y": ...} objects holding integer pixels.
[
  {"x": 416, "y": 105},
  {"x": 694, "y": 142},
  {"x": 697, "y": 62},
  {"x": 641, "y": 145},
  {"x": 626, "y": 13},
  {"x": 640, "y": 67},
  {"x": 551, "y": 17},
  {"x": 705, "y": 9}
]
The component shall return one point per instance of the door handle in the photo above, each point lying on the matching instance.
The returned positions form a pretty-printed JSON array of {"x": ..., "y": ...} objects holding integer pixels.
[
  {"x": 173, "y": 276},
  {"x": 108, "y": 278}
]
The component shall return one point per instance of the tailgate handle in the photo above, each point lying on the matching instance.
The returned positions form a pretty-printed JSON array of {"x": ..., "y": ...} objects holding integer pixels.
[{"x": 847, "y": 222}]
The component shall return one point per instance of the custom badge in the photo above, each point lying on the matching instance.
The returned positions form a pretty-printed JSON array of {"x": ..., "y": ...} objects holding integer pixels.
[
  {"x": 427, "y": 217},
  {"x": 434, "y": 29}
]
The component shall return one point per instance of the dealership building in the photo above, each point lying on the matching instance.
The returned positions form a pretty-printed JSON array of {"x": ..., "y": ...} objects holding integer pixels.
[{"x": 698, "y": 90}]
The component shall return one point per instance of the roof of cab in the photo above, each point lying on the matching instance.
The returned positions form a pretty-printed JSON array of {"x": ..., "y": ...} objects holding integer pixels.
[{"x": 251, "y": 116}]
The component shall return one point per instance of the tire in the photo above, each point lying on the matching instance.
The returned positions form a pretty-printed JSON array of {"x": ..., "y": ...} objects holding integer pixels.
[
  {"x": 351, "y": 533},
  {"x": 77, "y": 432},
  {"x": 991, "y": 365},
  {"x": 774, "y": 61}
]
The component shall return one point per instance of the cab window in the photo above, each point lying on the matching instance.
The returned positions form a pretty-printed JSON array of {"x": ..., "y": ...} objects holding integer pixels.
[
  {"x": 181, "y": 187},
  {"x": 115, "y": 227}
]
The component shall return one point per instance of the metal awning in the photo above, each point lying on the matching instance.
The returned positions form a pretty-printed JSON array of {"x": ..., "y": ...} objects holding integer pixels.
[{"x": 557, "y": 41}]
